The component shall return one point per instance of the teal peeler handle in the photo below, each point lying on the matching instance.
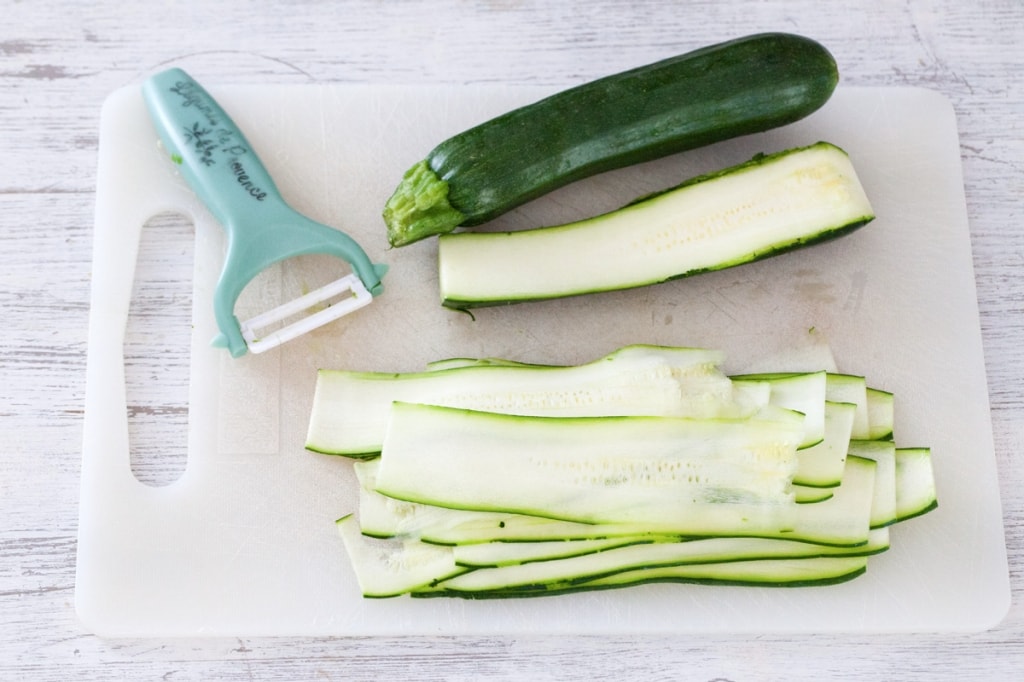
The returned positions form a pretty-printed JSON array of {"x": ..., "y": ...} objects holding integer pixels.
[{"x": 224, "y": 171}]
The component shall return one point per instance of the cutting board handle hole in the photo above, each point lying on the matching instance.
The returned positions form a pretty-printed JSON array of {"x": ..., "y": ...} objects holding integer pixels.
[{"x": 157, "y": 350}]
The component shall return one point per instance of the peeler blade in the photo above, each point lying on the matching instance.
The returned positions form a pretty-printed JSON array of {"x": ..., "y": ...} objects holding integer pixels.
[{"x": 259, "y": 342}]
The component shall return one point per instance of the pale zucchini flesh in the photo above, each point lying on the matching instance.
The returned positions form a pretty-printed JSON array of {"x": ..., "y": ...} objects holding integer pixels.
[
  {"x": 847, "y": 388},
  {"x": 650, "y": 551},
  {"x": 881, "y": 413},
  {"x": 807, "y": 494},
  {"x": 883, "y": 453},
  {"x": 388, "y": 568},
  {"x": 915, "y": 483},
  {"x": 351, "y": 409},
  {"x": 406, "y": 566},
  {"x": 816, "y": 571},
  {"x": 842, "y": 519},
  {"x": 648, "y": 555},
  {"x": 820, "y": 466},
  {"x": 391, "y": 568},
  {"x": 677, "y": 475},
  {"x": 805, "y": 393},
  {"x": 772, "y": 204},
  {"x": 498, "y": 554},
  {"x": 386, "y": 517},
  {"x": 804, "y": 572}
]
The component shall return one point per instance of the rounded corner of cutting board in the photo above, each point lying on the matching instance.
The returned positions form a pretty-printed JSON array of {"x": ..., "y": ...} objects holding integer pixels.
[{"x": 89, "y": 614}]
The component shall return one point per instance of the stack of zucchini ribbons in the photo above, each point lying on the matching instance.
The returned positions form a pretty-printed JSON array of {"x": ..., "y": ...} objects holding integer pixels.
[{"x": 487, "y": 478}]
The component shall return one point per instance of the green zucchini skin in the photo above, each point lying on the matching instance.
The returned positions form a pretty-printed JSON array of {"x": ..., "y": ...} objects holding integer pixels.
[{"x": 719, "y": 92}]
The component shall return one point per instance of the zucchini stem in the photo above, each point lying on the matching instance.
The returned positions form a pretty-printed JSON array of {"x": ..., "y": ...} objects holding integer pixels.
[{"x": 419, "y": 207}]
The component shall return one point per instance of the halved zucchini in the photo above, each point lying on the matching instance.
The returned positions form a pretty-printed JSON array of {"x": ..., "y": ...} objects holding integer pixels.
[{"x": 769, "y": 205}]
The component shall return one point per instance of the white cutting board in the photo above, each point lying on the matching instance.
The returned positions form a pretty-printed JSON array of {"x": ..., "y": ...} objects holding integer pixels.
[{"x": 244, "y": 542}]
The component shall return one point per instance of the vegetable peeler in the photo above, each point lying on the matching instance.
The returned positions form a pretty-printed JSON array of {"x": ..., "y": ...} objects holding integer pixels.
[{"x": 224, "y": 171}]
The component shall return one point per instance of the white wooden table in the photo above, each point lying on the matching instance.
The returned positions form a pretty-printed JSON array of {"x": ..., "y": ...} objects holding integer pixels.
[{"x": 59, "y": 60}]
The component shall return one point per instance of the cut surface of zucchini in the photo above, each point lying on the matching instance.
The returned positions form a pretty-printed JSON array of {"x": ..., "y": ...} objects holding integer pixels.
[
  {"x": 802, "y": 392},
  {"x": 613, "y": 560},
  {"x": 668, "y": 476},
  {"x": 845, "y": 518},
  {"x": 757, "y": 572},
  {"x": 821, "y": 465},
  {"x": 497, "y": 554},
  {"x": 881, "y": 413},
  {"x": 677, "y": 475},
  {"x": 915, "y": 483},
  {"x": 387, "y": 568},
  {"x": 841, "y": 518},
  {"x": 769, "y": 205},
  {"x": 883, "y": 453},
  {"x": 762, "y": 572},
  {"x": 386, "y": 517},
  {"x": 351, "y": 409},
  {"x": 847, "y": 388}
]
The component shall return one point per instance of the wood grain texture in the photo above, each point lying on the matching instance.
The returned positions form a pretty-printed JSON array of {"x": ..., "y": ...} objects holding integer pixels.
[{"x": 59, "y": 60}]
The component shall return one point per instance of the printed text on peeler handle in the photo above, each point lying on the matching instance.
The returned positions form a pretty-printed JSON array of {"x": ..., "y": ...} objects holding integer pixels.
[{"x": 214, "y": 155}]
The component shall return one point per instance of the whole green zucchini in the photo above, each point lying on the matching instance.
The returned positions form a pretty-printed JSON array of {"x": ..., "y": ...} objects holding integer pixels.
[{"x": 735, "y": 88}]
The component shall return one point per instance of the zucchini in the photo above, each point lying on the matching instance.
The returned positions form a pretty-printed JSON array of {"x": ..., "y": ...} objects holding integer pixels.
[
  {"x": 881, "y": 413},
  {"x": 813, "y": 572},
  {"x": 537, "y": 574},
  {"x": 405, "y": 565},
  {"x": 883, "y": 453},
  {"x": 806, "y": 494},
  {"x": 844, "y": 520},
  {"x": 821, "y": 465},
  {"x": 675, "y": 475},
  {"x": 562, "y": 559},
  {"x": 801, "y": 392},
  {"x": 769, "y": 205},
  {"x": 848, "y": 388},
  {"x": 616, "y": 476},
  {"x": 473, "y": 504},
  {"x": 495, "y": 554},
  {"x": 915, "y": 483},
  {"x": 351, "y": 409},
  {"x": 722, "y": 91},
  {"x": 390, "y": 568},
  {"x": 810, "y": 572},
  {"x": 381, "y": 516}
]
